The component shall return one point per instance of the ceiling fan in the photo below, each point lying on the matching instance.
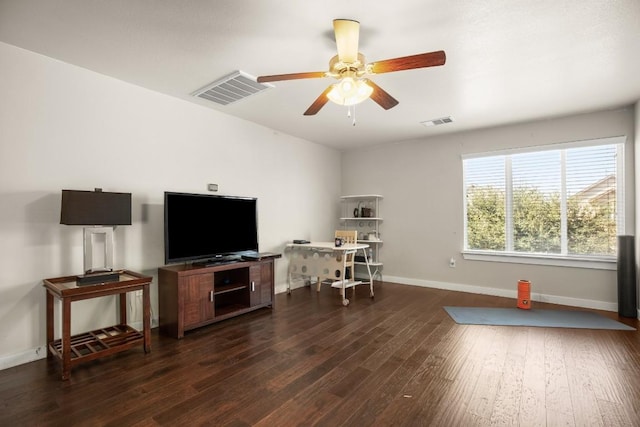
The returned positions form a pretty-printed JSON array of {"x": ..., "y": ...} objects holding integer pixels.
[{"x": 349, "y": 68}]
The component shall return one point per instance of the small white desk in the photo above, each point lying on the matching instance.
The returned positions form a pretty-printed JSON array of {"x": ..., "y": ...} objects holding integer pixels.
[{"x": 319, "y": 259}]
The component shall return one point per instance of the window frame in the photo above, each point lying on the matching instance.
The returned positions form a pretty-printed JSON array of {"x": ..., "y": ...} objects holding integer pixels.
[{"x": 606, "y": 262}]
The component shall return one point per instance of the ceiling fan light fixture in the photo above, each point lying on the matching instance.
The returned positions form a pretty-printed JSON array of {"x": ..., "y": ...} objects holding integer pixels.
[
  {"x": 349, "y": 91},
  {"x": 350, "y": 69}
]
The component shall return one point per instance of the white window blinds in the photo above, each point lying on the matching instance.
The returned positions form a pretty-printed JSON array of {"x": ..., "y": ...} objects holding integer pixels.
[{"x": 564, "y": 199}]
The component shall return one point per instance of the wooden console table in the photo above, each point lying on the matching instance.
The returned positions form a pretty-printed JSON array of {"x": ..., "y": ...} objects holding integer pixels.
[{"x": 72, "y": 350}]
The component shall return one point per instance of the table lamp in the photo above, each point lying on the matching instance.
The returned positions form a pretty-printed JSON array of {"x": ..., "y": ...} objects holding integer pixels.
[{"x": 99, "y": 212}]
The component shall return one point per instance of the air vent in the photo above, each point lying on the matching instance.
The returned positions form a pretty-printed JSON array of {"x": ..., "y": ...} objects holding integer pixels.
[
  {"x": 229, "y": 89},
  {"x": 436, "y": 122}
]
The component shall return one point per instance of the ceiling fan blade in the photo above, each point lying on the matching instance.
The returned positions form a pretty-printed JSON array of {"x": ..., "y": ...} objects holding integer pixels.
[
  {"x": 421, "y": 60},
  {"x": 319, "y": 102},
  {"x": 292, "y": 76},
  {"x": 347, "y": 32},
  {"x": 381, "y": 97}
]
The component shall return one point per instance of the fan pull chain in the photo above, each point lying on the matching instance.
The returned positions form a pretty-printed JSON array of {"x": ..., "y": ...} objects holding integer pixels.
[{"x": 352, "y": 113}]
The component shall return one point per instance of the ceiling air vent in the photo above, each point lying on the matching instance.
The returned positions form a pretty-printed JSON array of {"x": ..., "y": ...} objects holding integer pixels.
[
  {"x": 436, "y": 122},
  {"x": 229, "y": 89}
]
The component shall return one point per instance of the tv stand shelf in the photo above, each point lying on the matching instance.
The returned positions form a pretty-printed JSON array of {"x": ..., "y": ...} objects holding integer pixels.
[
  {"x": 191, "y": 296},
  {"x": 231, "y": 311},
  {"x": 228, "y": 288}
]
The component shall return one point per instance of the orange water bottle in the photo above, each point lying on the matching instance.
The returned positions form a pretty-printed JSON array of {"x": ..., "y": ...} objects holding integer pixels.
[{"x": 524, "y": 294}]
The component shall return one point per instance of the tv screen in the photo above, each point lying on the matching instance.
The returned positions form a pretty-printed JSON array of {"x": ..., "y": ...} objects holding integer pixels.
[{"x": 199, "y": 227}]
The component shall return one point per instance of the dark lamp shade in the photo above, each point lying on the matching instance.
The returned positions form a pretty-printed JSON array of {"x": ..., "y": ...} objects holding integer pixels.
[{"x": 95, "y": 208}]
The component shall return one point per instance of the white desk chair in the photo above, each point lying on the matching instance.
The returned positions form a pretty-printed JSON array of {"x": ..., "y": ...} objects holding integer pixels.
[{"x": 347, "y": 236}]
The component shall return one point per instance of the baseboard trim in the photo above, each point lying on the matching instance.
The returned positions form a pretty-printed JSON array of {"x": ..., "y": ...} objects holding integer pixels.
[
  {"x": 23, "y": 357},
  {"x": 507, "y": 293},
  {"x": 282, "y": 288},
  {"x": 155, "y": 322}
]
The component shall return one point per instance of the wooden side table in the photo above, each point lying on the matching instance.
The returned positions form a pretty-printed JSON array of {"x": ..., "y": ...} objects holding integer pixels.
[{"x": 73, "y": 350}]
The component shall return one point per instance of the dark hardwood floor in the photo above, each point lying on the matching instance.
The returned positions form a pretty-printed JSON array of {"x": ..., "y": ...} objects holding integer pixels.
[{"x": 396, "y": 360}]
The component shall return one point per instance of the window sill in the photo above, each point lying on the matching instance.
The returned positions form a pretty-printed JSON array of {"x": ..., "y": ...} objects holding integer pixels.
[{"x": 599, "y": 263}]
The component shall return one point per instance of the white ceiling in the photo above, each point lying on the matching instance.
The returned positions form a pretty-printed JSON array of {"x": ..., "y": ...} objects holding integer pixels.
[{"x": 507, "y": 61}]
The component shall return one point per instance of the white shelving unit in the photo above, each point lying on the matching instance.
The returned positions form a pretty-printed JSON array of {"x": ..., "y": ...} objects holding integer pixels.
[{"x": 368, "y": 226}]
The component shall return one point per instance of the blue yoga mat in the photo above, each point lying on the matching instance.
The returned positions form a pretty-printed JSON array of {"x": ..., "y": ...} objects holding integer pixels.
[{"x": 534, "y": 317}]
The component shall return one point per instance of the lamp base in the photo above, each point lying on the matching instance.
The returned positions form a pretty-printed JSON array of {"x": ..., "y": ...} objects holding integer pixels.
[
  {"x": 93, "y": 236},
  {"x": 93, "y": 278}
]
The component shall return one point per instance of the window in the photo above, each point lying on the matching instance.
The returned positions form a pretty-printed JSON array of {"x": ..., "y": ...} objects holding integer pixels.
[{"x": 559, "y": 201}]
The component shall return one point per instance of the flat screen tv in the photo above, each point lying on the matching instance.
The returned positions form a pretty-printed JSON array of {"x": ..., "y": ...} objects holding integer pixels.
[{"x": 208, "y": 228}]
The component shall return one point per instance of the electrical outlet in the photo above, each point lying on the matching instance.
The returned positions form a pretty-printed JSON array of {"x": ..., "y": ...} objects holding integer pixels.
[{"x": 452, "y": 262}]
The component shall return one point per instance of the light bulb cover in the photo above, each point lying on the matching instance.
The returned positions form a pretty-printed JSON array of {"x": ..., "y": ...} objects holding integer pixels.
[{"x": 349, "y": 91}]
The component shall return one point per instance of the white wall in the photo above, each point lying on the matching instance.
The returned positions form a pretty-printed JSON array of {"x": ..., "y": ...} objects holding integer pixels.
[
  {"x": 421, "y": 182},
  {"x": 637, "y": 181},
  {"x": 63, "y": 127}
]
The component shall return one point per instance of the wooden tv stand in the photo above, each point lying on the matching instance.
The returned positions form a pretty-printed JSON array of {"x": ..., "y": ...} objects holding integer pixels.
[{"x": 193, "y": 296}]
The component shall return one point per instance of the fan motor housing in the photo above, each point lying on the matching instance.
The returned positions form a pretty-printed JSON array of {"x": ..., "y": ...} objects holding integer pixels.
[{"x": 343, "y": 69}]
